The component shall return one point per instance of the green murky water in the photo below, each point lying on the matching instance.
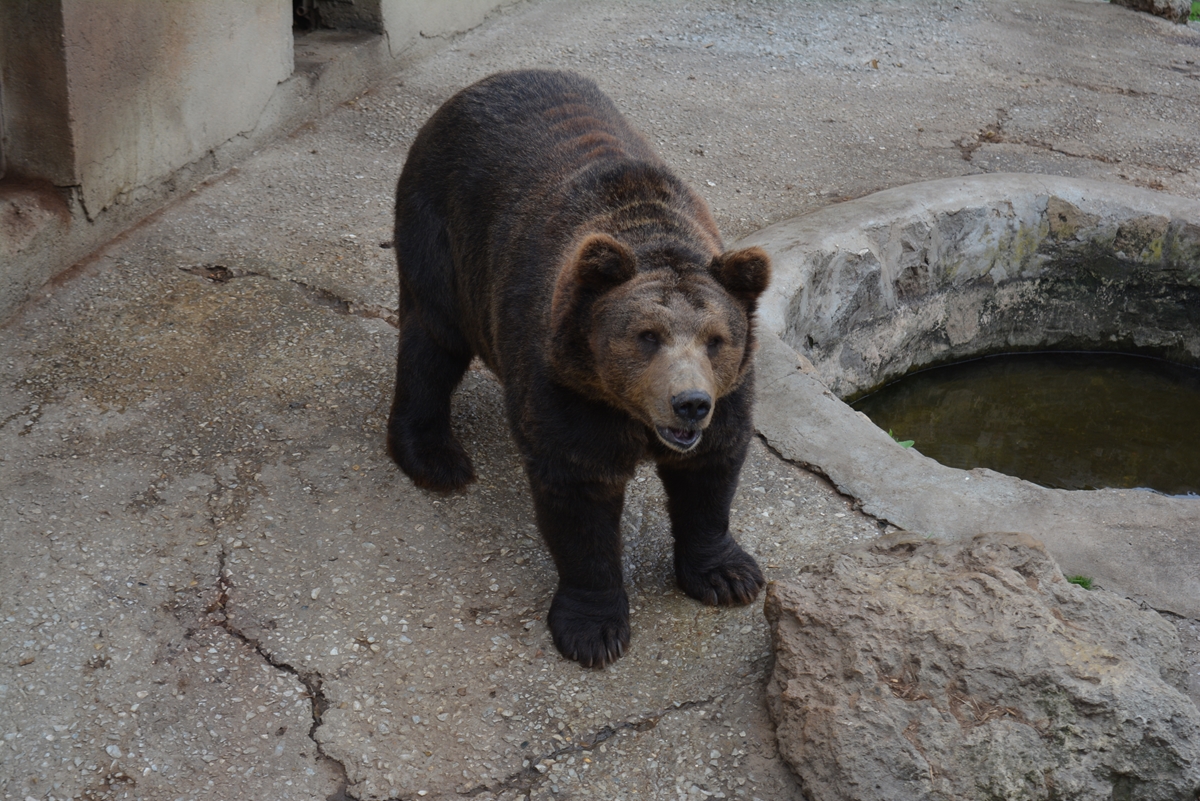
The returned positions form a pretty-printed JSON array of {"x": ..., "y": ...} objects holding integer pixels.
[{"x": 1066, "y": 420}]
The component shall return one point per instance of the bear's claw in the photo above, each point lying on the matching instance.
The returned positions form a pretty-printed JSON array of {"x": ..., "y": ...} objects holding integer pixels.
[
  {"x": 590, "y": 627},
  {"x": 726, "y": 578}
]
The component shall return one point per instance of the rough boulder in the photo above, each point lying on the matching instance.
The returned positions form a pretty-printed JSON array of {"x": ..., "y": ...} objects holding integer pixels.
[
  {"x": 913, "y": 669},
  {"x": 1174, "y": 10}
]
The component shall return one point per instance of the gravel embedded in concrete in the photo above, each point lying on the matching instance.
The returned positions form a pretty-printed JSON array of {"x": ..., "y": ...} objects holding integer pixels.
[{"x": 191, "y": 426}]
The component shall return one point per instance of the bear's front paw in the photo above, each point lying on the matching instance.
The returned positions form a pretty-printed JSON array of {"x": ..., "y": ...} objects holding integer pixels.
[
  {"x": 721, "y": 576},
  {"x": 589, "y": 626},
  {"x": 434, "y": 464}
]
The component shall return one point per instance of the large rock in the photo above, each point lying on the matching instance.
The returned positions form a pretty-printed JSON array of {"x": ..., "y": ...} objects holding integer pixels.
[
  {"x": 973, "y": 670},
  {"x": 1174, "y": 10}
]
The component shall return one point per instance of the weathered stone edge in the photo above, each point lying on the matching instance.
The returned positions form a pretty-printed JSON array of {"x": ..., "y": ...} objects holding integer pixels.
[{"x": 1127, "y": 540}]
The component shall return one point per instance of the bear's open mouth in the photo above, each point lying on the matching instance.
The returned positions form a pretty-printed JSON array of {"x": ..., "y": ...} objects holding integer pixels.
[{"x": 681, "y": 439}]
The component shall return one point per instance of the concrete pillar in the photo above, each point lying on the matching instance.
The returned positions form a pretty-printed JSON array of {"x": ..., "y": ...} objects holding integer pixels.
[
  {"x": 35, "y": 129},
  {"x": 154, "y": 86},
  {"x": 108, "y": 108},
  {"x": 105, "y": 105}
]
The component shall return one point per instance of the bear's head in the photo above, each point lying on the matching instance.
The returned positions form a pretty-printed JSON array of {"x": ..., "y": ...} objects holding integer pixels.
[{"x": 662, "y": 341}]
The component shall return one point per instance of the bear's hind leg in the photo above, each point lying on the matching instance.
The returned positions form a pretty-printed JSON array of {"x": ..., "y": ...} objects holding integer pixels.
[
  {"x": 709, "y": 565},
  {"x": 418, "y": 435}
]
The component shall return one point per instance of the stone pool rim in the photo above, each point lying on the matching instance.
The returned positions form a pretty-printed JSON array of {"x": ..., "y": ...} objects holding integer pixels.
[{"x": 1140, "y": 543}]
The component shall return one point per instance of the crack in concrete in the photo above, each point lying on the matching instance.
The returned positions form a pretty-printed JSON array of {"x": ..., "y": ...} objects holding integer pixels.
[
  {"x": 34, "y": 412},
  {"x": 311, "y": 680},
  {"x": 1186, "y": 71},
  {"x": 856, "y": 503},
  {"x": 1040, "y": 145},
  {"x": 220, "y": 274},
  {"x": 994, "y": 134},
  {"x": 529, "y": 777},
  {"x": 991, "y": 133},
  {"x": 1100, "y": 89}
]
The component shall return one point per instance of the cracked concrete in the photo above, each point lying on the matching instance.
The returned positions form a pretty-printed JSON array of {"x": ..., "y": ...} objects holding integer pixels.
[
  {"x": 216, "y": 585},
  {"x": 312, "y": 681}
]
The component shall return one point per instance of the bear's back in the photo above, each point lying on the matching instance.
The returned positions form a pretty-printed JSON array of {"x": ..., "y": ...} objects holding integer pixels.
[
  {"x": 513, "y": 171},
  {"x": 544, "y": 126}
]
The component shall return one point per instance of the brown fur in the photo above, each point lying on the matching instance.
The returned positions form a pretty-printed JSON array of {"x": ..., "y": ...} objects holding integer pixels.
[{"x": 536, "y": 229}]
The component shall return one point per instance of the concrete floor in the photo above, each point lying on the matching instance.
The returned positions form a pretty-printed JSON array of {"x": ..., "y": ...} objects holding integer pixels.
[{"x": 215, "y": 583}]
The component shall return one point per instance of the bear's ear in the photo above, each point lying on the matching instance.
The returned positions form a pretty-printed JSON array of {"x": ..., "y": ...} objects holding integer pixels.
[
  {"x": 602, "y": 262},
  {"x": 743, "y": 273},
  {"x": 599, "y": 264}
]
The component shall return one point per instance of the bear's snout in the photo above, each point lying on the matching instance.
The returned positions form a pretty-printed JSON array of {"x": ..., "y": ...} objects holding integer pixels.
[
  {"x": 691, "y": 406},
  {"x": 679, "y": 390}
]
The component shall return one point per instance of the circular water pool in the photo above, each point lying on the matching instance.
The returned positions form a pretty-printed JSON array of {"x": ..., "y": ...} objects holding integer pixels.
[{"x": 1077, "y": 421}]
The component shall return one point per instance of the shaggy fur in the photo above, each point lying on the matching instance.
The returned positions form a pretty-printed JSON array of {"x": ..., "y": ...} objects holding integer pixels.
[{"x": 537, "y": 230}]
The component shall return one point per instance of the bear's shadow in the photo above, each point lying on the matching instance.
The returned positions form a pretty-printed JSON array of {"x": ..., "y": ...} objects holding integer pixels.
[{"x": 497, "y": 509}]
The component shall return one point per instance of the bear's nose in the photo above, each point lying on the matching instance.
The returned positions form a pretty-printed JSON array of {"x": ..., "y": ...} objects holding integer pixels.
[{"x": 692, "y": 405}]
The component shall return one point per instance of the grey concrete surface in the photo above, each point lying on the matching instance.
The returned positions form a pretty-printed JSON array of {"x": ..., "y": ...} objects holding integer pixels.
[{"x": 215, "y": 584}]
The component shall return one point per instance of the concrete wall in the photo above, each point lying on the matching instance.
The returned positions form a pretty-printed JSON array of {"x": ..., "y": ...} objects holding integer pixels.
[
  {"x": 112, "y": 108},
  {"x": 36, "y": 132},
  {"x": 407, "y": 21},
  {"x": 155, "y": 85}
]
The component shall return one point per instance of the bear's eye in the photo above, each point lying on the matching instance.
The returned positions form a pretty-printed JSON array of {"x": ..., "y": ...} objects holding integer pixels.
[
  {"x": 714, "y": 344},
  {"x": 648, "y": 338}
]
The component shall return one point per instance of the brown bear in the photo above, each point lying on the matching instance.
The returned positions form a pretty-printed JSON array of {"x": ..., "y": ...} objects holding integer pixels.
[{"x": 536, "y": 229}]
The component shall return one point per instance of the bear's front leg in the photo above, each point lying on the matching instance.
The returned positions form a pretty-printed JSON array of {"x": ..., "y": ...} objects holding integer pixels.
[
  {"x": 580, "y": 522},
  {"x": 709, "y": 565}
]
